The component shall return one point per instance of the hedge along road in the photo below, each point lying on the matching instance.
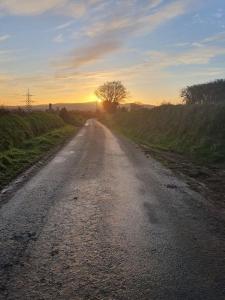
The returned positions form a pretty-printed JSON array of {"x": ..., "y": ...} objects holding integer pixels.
[{"x": 102, "y": 221}]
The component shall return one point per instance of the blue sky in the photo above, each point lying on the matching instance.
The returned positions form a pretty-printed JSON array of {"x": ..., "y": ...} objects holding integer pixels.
[{"x": 63, "y": 49}]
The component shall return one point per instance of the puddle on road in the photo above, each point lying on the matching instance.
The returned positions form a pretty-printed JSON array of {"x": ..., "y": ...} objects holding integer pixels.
[
  {"x": 65, "y": 153},
  {"x": 58, "y": 160},
  {"x": 87, "y": 123},
  {"x": 62, "y": 158}
]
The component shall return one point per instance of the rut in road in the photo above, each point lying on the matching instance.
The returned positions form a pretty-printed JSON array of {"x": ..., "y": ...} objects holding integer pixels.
[{"x": 101, "y": 221}]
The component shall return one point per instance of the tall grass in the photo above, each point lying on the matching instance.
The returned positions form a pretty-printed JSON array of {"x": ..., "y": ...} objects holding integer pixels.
[
  {"x": 25, "y": 137},
  {"x": 15, "y": 128},
  {"x": 15, "y": 160},
  {"x": 194, "y": 130}
]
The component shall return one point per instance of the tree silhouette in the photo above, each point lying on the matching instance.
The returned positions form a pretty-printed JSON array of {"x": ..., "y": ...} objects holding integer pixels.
[
  {"x": 111, "y": 94},
  {"x": 207, "y": 93}
]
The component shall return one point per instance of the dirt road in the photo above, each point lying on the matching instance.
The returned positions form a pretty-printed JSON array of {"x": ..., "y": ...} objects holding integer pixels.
[{"x": 102, "y": 221}]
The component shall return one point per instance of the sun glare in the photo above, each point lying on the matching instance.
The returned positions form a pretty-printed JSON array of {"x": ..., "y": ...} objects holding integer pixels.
[{"x": 92, "y": 97}]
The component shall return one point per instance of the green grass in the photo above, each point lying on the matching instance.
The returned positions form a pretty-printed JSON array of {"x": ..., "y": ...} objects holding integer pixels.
[
  {"x": 17, "y": 159},
  {"x": 15, "y": 128},
  {"x": 197, "y": 131}
]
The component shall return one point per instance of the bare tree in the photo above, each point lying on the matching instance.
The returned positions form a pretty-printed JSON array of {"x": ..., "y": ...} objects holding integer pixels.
[{"x": 111, "y": 94}]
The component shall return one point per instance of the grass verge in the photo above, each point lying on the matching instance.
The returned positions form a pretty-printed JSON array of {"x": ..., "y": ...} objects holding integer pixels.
[
  {"x": 16, "y": 160},
  {"x": 196, "y": 131},
  {"x": 203, "y": 173}
]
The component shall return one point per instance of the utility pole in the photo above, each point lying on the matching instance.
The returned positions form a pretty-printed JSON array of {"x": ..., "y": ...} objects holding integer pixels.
[{"x": 28, "y": 101}]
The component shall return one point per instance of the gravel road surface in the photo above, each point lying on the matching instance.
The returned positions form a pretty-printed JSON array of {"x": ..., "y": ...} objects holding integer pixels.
[{"x": 103, "y": 221}]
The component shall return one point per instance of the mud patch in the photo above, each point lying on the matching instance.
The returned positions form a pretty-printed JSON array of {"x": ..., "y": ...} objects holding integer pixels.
[{"x": 208, "y": 180}]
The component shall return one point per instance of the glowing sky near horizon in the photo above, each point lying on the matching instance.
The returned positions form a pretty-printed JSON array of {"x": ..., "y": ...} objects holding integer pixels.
[{"x": 63, "y": 49}]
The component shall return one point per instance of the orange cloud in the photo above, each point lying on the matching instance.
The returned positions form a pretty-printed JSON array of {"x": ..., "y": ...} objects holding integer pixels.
[{"x": 91, "y": 53}]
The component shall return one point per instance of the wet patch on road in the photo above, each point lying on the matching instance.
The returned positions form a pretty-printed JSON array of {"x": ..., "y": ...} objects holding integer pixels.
[
  {"x": 151, "y": 211},
  {"x": 171, "y": 186}
]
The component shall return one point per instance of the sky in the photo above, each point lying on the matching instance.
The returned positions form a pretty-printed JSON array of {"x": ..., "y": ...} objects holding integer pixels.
[{"x": 64, "y": 49}]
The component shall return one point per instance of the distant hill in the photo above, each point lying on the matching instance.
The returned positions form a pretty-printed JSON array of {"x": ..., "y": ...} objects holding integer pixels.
[
  {"x": 85, "y": 106},
  {"x": 136, "y": 106}
]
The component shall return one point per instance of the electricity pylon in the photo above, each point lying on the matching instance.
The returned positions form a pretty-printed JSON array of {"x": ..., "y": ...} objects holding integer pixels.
[{"x": 28, "y": 101}]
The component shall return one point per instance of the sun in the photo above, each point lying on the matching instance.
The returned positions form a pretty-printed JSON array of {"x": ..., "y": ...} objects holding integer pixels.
[{"x": 93, "y": 98}]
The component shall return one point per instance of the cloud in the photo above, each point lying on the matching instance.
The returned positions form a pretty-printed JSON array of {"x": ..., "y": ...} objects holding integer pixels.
[
  {"x": 154, "y": 3},
  {"x": 74, "y": 8},
  {"x": 195, "y": 56},
  {"x": 29, "y": 7},
  {"x": 126, "y": 25},
  {"x": 4, "y": 37},
  {"x": 155, "y": 69},
  {"x": 64, "y": 25},
  {"x": 142, "y": 19},
  {"x": 219, "y": 14},
  {"x": 109, "y": 35},
  {"x": 215, "y": 38},
  {"x": 59, "y": 38},
  {"x": 200, "y": 56},
  {"x": 91, "y": 53},
  {"x": 166, "y": 14}
]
